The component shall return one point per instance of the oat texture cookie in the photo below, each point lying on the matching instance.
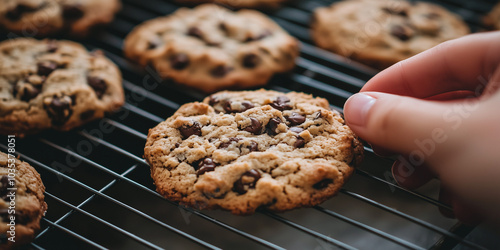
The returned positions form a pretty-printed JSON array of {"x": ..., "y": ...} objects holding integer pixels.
[
  {"x": 22, "y": 202},
  {"x": 54, "y": 84},
  {"x": 212, "y": 48},
  {"x": 241, "y": 151},
  {"x": 43, "y": 17},
  {"x": 381, "y": 33},
  {"x": 237, "y": 4},
  {"x": 492, "y": 20}
]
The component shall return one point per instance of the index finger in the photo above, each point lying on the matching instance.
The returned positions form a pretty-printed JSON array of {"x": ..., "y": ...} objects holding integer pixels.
[{"x": 461, "y": 64}]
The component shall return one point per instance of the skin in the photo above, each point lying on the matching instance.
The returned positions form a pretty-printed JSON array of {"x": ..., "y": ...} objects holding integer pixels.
[{"x": 439, "y": 111}]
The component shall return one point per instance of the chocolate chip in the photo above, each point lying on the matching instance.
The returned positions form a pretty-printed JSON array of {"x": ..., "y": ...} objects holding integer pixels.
[
  {"x": 213, "y": 100},
  {"x": 318, "y": 115},
  {"x": 28, "y": 88},
  {"x": 206, "y": 165},
  {"x": 220, "y": 71},
  {"x": 87, "y": 114},
  {"x": 254, "y": 146},
  {"x": 296, "y": 119},
  {"x": 223, "y": 27},
  {"x": 247, "y": 181},
  {"x": 177, "y": 145},
  {"x": 52, "y": 46},
  {"x": 24, "y": 219},
  {"x": 154, "y": 43},
  {"x": 5, "y": 184},
  {"x": 432, "y": 16},
  {"x": 281, "y": 103},
  {"x": 98, "y": 85},
  {"x": 16, "y": 13},
  {"x": 4, "y": 214},
  {"x": 400, "y": 32},
  {"x": 255, "y": 128},
  {"x": 46, "y": 68},
  {"x": 231, "y": 140},
  {"x": 188, "y": 131},
  {"x": 260, "y": 36},
  {"x": 272, "y": 126},
  {"x": 394, "y": 11},
  {"x": 212, "y": 44},
  {"x": 250, "y": 60},
  {"x": 244, "y": 106},
  {"x": 59, "y": 109},
  {"x": 297, "y": 130},
  {"x": 196, "y": 32},
  {"x": 323, "y": 184},
  {"x": 72, "y": 12},
  {"x": 27, "y": 91},
  {"x": 4, "y": 181},
  {"x": 179, "y": 61},
  {"x": 300, "y": 142},
  {"x": 227, "y": 106}
]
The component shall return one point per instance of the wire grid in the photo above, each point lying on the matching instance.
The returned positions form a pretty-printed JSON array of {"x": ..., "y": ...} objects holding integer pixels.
[{"x": 106, "y": 156}]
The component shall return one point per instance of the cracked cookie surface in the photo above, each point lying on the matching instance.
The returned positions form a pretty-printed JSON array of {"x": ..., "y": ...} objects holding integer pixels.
[
  {"x": 245, "y": 150},
  {"x": 29, "y": 201},
  {"x": 212, "y": 48},
  {"x": 44, "y": 17},
  {"x": 381, "y": 33},
  {"x": 54, "y": 84}
]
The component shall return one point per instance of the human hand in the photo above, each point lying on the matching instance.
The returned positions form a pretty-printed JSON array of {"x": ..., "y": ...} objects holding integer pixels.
[{"x": 440, "y": 111}]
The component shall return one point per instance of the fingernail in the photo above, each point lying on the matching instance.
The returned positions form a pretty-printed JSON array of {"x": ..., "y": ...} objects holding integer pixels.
[{"x": 357, "y": 107}]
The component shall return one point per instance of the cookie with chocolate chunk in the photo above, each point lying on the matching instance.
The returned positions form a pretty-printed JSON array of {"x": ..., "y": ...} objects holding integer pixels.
[
  {"x": 44, "y": 17},
  {"x": 492, "y": 20},
  {"x": 212, "y": 48},
  {"x": 241, "y": 151},
  {"x": 238, "y": 4},
  {"x": 22, "y": 202},
  {"x": 381, "y": 33},
  {"x": 54, "y": 84}
]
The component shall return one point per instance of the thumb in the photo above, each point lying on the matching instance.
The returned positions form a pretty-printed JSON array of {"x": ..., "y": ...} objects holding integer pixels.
[{"x": 398, "y": 123}]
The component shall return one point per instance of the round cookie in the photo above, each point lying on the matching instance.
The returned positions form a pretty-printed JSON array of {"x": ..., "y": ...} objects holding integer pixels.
[
  {"x": 492, "y": 20},
  {"x": 381, "y": 33},
  {"x": 43, "y": 17},
  {"x": 212, "y": 48},
  {"x": 238, "y": 4},
  {"x": 241, "y": 151},
  {"x": 27, "y": 200},
  {"x": 54, "y": 84}
]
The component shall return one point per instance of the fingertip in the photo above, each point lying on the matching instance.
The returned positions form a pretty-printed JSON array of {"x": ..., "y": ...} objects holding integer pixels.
[{"x": 356, "y": 109}]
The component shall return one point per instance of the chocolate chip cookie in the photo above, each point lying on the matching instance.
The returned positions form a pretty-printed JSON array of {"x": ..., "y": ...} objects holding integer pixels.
[
  {"x": 238, "y": 4},
  {"x": 43, "y": 17},
  {"x": 22, "y": 202},
  {"x": 212, "y": 48},
  {"x": 241, "y": 151},
  {"x": 492, "y": 20},
  {"x": 381, "y": 33},
  {"x": 54, "y": 84}
]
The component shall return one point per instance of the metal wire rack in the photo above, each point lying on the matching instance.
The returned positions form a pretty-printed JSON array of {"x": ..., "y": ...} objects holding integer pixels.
[{"x": 100, "y": 194}]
